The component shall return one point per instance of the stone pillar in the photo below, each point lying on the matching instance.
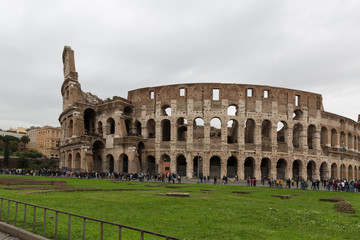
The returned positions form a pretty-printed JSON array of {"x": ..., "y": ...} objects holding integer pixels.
[
  {"x": 273, "y": 170},
  {"x": 257, "y": 170},
  {"x": 223, "y": 167},
  {"x": 240, "y": 168},
  {"x": 189, "y": 166}
]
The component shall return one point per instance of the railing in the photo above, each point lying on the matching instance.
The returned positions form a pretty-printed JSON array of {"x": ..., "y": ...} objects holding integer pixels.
[{"x": 55, "y": 220}]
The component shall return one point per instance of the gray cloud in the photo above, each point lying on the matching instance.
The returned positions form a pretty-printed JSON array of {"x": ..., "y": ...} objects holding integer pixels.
[{"x": 124, "y": 45}]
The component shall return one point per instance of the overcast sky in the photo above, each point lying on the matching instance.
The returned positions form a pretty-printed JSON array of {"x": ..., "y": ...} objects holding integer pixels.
[{"x": 124, "y": 45}]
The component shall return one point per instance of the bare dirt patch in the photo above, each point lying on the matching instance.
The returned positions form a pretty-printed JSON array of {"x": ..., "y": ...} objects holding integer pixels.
[
  {"x": 174, "y": 194},
  {"x": 11, "y": 181},
  {"x": 334, "y": 199},
  {"x": 242, "y": 192},
  {"x": 344, "y": 207},
  {"x": 175, "y": 186},
  {"x": 282, "y": 196}
]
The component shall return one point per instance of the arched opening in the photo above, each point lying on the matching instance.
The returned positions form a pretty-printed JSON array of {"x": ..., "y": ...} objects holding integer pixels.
[
  {"x": 249, "y": 166},
  {"x": 70, "y": 128},
  {"x": 125, "y": 164},
  {"x": 128, "y": 124},
  {"x": 110, "y": 160},
  {"x": 249, "y": 131},
  {"x": 198, "y": 132},
  {"x": 281, "y": 132},
  {"x": 98, "y": 151},
  {"x": 77, "y": 161},
  {"x": 350, "y": 173},
  {"x": 181, "y": 165},
  {"x": 151, "y": 128},
  {"x": 166, "y": 129},
  {"x": 165, "y": 162},
  {"x": 166, "y": 110},
  {"x": 311, "y": 136},
  {"x": 355, "y": 173},
  {"x": 215, "y": 128},
  {"x": 141, "y": 153},
  {"x": 281, "y": 169},
  {"x": 231, "y": 167},
  {"x": 350, "y": 141},
  {"x": 342, "y": 139},
  {"x": 266, "y": 135},
  {"x": 110, "y": 126},
  {"x": 334, "y": 174},
  {"x": 311, "y": 166},
  {"x": 342, "y": 172},
  {"x": 296, "y": 169},
  {"x": 198, "y": 169},
  {"x": 89, "y": 121},
  {"x": 324, "y": 136},
  {"x": 128, "y": 111},
  {"x": 215, "y": 167},
  {"x": 100, "y": 128},
  {"x": 334, "y": 137},
  {"x": 181, "y": 129},
  {"x": 297, "y": 115},
  {"x": 232, "y": 131},
  {"x": 138, "y": 128},
  {"x": 150, "y": 164},
  {"x": 68, "y": 162},
  {"x": 324, "y": 171},
  {"x": 265, "y": 168},
  {"x": 232, "y": 110},
  {"x": 342, "y": 123},
  {"x": 297, "y": 136}
]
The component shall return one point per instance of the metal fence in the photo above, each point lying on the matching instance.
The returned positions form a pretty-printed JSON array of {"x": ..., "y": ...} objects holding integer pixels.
[{"x": 12, "y": 217}]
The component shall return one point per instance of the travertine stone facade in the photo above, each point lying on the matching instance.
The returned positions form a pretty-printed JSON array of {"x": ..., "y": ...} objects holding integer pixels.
[{"x": 209, "y": 129}]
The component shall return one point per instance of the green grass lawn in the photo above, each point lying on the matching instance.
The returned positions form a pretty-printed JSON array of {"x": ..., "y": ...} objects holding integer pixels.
[{"x": 216, "y": 214}]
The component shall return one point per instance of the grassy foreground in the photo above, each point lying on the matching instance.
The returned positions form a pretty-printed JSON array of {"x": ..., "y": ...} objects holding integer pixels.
[{"x": 214, "y": 214}]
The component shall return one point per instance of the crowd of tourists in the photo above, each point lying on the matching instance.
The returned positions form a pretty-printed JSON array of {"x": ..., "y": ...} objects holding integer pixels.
[{"x": 342, "y": 185}]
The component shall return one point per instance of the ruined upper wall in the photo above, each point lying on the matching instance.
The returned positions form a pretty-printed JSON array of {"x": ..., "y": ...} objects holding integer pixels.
[{"x": 232, "y": 93}]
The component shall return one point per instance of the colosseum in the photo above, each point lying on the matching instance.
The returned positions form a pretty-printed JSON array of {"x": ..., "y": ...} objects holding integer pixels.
[{"x": 209, "y": 129}]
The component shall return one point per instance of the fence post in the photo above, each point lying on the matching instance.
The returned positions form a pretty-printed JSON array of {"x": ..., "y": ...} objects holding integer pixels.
[
  {"x": 8, "y": 212},
  {"x": 142, "y": 235},
  {"x": 34, "y": 219},
  {"x": 84, "y": 227},
  {"x": 101, "y": 230},
  {"x": 16, "y": 210},
  {"x": 44, "y": 225},
  {"x": 24, "y": 216},
  {"x": 56, "y": 223},
  {"x": 1, "y": 209},
  {"x": 119, "y": 232},
  {"x": 69, "y": 226}
]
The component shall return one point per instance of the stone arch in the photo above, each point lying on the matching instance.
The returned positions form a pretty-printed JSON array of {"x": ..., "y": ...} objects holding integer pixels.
[
  {"x": 311, "y": 170},
  {"x": 297, "y": 143},
  {"x": 151, "y": 128},
  {"x": 324, "y": 136},
  {"x": 350, "y": 141},
  {"x": 334, "y": 138},
  {"x": 181, "y": 125},
  {"x": 232, "y": 110},
  {"x": 215, "y": 128},
  {"x": 198, "y": 126},
  {"x": 166, "y": 129},
  {"x": 198, "y": 166},
  {"x": 231, "y": 167},
  {"x": 165, "y": 164},
  {"x": 350, "y": 173},
  {"x": 215, "y": 167},
  {"x": 128, "y": 111},
  {"x": 311, "y": 137},
  {"x": 342, "y": 171},
  {"x": 141, "y": 153},
  {"x": 282, "y": 129},
  {"x": 266, "y": 135},
  {"x": 181, "y": 165},
  {"x": 232, "y": 131},
  {"x": 128, "y": 124},
  {"x": 124, "y": 163},
  {"x": 265, "y": 168},
  {"x": 77, "y": 162},
  {"x": 297, "y": 115},
  {"x": 297, "y": 169},
  {"x": 110, "y": 161},
  {"x": 70, "y": 128},
  {"x": 250, "y": 131},
  {"x": 355, "y": 173},
  {"x": 110, "y": 126},
  {"x": 150, "y": 164},
  {"x": 69, "y": 161},
  {"x": 165, "y": 110},
  {"x": 249, "y": 167},
  {"x": 98, "y": 151},
  {"x": 342, "y": 139},
  {"x": 89, "y": 121},
  {"x": 138, "y": 128},
  {"x": 334, "y": 172},
  {"x": 324, "y": 171},
  {"x": 281, "y": 168}
]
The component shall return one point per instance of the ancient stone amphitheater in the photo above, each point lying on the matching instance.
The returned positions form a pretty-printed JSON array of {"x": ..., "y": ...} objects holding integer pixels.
[{"x": 209, "y": 129}]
